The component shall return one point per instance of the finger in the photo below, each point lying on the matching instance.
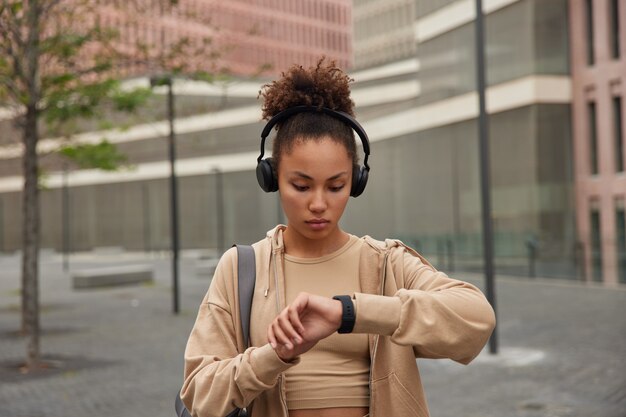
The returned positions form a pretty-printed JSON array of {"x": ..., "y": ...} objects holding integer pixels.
[
  {"x": 288, "y": 326},
  {"x": 294, "y": 319},
  {"x": 280, "y": 335},
  {"x": 288, "y": 330},
  {"x": 271, "y": 337},
  {"x": 300, "y": 304}
]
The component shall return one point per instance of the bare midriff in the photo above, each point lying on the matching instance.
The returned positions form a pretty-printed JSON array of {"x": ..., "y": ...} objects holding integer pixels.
[{"x": 331, "y": 412}]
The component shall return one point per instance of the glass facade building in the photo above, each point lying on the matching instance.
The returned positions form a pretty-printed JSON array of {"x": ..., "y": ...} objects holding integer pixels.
[{"x": 418, "y": 103}]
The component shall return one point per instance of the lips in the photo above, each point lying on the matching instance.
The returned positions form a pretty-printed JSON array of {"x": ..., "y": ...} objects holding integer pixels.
[
  {"x": 317, "y": 224},
  {"x": 318, "y": 221}
]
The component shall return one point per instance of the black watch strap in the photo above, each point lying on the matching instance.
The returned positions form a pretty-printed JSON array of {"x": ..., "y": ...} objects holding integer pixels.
[{"x": 348, "y": 316}]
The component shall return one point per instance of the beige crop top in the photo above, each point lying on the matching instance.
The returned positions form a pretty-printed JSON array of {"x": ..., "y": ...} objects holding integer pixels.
[{"x": 335, "y": 372}]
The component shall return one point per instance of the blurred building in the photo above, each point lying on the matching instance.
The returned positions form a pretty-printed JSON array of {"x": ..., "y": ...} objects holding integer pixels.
[
  {"x": 598, "y": 45},
  {"x": 555, "y": 75},
  {"x": 430, "y": 151},
  {"x": 414, "y": 69},
  {"x": 248, "y": 35},
  {"x": 383, "y": 31}
]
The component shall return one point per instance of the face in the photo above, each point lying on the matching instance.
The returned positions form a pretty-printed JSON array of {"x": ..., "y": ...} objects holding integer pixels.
[{"x": 314, "y": 180}]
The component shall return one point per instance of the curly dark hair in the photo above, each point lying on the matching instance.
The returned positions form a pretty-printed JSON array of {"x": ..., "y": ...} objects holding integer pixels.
[{"x": 323, "y": 85}]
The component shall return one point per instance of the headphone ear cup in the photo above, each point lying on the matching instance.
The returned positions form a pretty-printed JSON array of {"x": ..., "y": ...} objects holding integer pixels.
[
  {"x": 359, "y": 181},
  {"x": 265, "y": 176}
]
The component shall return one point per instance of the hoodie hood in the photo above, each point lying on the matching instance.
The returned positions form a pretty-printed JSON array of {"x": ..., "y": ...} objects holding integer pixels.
[{"x": 275, "y": 237}]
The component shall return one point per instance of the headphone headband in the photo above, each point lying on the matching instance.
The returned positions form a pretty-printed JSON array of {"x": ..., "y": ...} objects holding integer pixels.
[{"x": 342, "y": 116}]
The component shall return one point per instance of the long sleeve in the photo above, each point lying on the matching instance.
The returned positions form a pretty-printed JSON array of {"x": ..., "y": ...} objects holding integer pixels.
[
  {"x": 218, "y": 379},
  {"x": 439, "y": 316}
]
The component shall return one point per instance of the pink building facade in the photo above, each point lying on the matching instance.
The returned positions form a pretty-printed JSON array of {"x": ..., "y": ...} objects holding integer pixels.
[
  {"x": 598, "y": 57},
  {"x": 251, "y": 36}
]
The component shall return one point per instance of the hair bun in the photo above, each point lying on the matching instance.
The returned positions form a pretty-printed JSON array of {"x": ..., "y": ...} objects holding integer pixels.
[{"x": 323, "y": 85}]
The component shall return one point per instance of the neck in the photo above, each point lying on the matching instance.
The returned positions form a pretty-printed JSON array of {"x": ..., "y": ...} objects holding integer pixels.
[{"x": 299, "y": 246}]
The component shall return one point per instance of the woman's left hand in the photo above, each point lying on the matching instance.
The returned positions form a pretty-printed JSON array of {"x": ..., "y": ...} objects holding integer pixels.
[{"x": 307, "y": 320}]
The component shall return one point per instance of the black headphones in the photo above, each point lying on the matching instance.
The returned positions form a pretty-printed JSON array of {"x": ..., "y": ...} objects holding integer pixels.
[{"x": 265, "y": 173}]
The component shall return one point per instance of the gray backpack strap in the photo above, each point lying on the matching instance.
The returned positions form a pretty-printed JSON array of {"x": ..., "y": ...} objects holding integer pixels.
[
  {"x": 246, "y": 272},
  {"x": 181, "y": 411},
  {"x": 246, "y": 277}
]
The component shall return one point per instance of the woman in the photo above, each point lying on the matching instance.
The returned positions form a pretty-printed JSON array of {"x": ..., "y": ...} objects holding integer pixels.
[{"x": 313, "y": 354}]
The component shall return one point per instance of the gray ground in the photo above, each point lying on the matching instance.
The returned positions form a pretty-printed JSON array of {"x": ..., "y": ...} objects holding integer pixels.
[{"x": 118, "y": 352}]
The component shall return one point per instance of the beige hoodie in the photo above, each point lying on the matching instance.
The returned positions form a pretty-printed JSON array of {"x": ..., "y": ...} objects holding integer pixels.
[{"x": 409, "y": 310}]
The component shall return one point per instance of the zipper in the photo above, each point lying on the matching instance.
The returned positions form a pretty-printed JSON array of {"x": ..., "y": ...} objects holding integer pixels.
[
  {"x": 276, "y": 283},
  {"x": 281, "y": 377},
  {"x": 375, "y": 347},
  {"x": 281, "y": 385}
]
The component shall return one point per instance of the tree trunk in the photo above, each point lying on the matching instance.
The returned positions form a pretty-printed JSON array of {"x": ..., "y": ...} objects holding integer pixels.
[
  {"x": 30, "y": 227},
  {"x": 30, "y": 240}
]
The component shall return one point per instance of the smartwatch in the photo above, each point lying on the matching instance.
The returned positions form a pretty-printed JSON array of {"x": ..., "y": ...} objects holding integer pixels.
[{"x": 348, "y": 316}]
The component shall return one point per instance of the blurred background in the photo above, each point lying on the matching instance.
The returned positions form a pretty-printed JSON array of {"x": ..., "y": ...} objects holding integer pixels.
[
  {"x": 187, "y": 75},
  {"x": 555, "y": 75}
]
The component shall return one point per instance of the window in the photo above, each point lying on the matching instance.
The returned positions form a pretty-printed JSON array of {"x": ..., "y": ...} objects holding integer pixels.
[
  {"x": 596, "y": 245},
  {"x": 589, "y": 17},
  {"x": 593, "y": 137},
  {"x": 615, "y": 29},
  {"x": 618, "y": 133},
  {"x": 620, "y": 239}
]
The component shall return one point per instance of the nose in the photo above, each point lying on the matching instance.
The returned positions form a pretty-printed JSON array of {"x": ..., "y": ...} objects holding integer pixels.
[{"x": 318, "y": 202}]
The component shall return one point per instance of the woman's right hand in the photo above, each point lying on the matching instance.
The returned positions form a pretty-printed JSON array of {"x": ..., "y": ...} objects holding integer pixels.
[{"x": 307, "y": 320}]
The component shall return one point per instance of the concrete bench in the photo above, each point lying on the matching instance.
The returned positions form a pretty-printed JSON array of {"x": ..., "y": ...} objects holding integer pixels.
[{"x": 112, "y": 276}]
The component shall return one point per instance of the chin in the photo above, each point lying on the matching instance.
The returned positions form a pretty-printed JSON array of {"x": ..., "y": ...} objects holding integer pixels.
[
  {"x": 308, "y": 233},
  {"x": 320, "y": 234}
]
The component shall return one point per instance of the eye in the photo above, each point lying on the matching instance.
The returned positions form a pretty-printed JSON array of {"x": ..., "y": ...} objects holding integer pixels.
[
  {"x": 336, "y": 188},
  {"x": 300, "y": 188}
]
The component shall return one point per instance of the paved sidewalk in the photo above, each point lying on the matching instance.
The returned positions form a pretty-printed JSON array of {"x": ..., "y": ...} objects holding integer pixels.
[{"x": 119, "y": 351}]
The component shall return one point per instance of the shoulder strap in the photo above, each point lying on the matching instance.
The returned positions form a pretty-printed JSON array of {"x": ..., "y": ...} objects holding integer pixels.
[
  {"x": 246, "y": 277},
  {"x": 246, "y": 272}
]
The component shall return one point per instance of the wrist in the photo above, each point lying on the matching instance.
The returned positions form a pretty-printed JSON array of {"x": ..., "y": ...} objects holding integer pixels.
[
  {"x": 283, "y": 357},
  {"x": 348, "y": 313}
]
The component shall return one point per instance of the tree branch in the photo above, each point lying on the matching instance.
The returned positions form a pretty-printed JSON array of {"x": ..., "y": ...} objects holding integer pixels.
[
  {"x": 11, "y": 87},
  {"x": 49, "y": 7},
  {"x": 14, "y": 58},
  {"x": 10, "y": 26}
]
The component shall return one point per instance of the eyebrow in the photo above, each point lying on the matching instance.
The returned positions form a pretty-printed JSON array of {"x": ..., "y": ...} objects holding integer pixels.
[{"x": 308, "y": 177}]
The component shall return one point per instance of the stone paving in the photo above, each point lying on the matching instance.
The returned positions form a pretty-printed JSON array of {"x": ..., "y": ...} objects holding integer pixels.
[{"x": 118, "y": 351}]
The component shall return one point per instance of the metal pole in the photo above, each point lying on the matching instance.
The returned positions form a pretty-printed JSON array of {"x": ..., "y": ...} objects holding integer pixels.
[
  {"x": 219, "y": 194},
  {"x": 65, "y": 219},
  {"x": 173, "y": 195},
  {"x": 145, "y": 202},
  {"x": 484, "y": 169},
  {"x": 2, "y": 226},
  {"x": 531, "y": 245}
]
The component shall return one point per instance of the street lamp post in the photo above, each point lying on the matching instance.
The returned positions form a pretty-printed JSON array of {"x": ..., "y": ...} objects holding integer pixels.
[
  {"x": 145, "y": 205},
  {"x": 65, "y": 220},
  {"x": 483, "y": 137},
  {"x": 219, "y": 210},
  {"x": 166, "y": 80},
  {"x": 2, "y": 226}
]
